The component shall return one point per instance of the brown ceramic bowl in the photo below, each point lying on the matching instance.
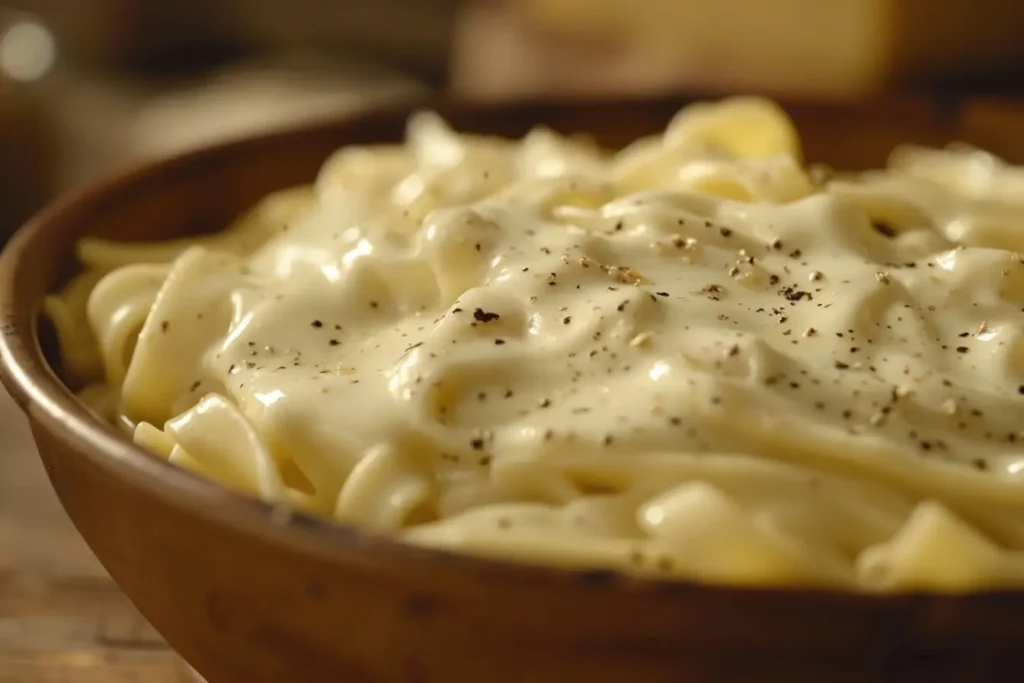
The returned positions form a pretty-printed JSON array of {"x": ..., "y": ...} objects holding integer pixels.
[{"x": 250, "y": 593}]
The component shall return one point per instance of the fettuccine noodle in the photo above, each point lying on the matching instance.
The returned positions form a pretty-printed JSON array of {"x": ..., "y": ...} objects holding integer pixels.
[{"x": 688, "y": 358}]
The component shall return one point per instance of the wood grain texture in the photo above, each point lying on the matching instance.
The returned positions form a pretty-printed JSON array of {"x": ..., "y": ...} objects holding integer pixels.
[
  {"x": 62, "y": 618},
  {"x": 251, "y": 592}
]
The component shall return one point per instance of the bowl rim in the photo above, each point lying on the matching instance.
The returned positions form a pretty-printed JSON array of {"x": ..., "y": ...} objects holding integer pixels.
[{"x": 48, "y": 402}]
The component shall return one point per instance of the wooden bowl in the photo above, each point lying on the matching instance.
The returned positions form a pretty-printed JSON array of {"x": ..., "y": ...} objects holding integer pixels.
[{"x": 252, "y": 593}]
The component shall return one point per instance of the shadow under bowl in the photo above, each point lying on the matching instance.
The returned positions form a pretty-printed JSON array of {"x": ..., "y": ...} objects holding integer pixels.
[{"x": 252, "y": 592}]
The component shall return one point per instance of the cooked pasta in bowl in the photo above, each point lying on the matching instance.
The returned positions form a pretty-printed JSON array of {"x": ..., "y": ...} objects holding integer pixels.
[{"x": 693, "y": 359}]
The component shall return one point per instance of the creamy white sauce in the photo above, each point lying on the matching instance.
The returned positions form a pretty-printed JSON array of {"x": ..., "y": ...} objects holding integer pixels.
[{"x": 548, "y": 338}]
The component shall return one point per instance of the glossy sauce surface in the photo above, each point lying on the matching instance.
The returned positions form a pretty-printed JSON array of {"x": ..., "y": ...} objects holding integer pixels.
[{"x": 689, "y": 358}]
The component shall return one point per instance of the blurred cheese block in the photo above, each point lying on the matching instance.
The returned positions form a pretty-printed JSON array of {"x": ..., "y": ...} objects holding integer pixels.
[{"x": 840, "y": 48}]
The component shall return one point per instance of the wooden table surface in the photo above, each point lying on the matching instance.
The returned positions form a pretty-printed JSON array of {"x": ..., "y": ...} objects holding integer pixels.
[{"x": 62, "y": 619}]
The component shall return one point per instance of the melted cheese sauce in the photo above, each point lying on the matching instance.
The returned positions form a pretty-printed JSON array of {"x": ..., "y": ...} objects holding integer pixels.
[{"x": 686, "y": 359}]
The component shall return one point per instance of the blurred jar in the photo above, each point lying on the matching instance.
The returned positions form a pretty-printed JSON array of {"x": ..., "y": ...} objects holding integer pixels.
[
  {"x": 139, "y": 79},
  {"x": 176, "y": 35},
  {"x": 28, "y": 52}
]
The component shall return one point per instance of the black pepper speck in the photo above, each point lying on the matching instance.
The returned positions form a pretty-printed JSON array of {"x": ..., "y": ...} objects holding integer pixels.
[{"x": 480, "y": 315}]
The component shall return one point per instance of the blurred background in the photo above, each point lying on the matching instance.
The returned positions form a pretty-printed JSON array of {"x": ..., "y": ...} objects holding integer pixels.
[{"x": 87, "y": 86}]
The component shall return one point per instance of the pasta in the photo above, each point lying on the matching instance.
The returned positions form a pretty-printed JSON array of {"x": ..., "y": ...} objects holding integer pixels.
[{"x": 690, "y": 358}]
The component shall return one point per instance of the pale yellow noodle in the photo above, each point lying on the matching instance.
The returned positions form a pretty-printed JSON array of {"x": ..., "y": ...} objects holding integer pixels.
[{"x": 691, "y": 358}]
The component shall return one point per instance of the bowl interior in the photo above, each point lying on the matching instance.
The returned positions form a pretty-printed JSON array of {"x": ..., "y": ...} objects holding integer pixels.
[{"x": 100, "y": 477}]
